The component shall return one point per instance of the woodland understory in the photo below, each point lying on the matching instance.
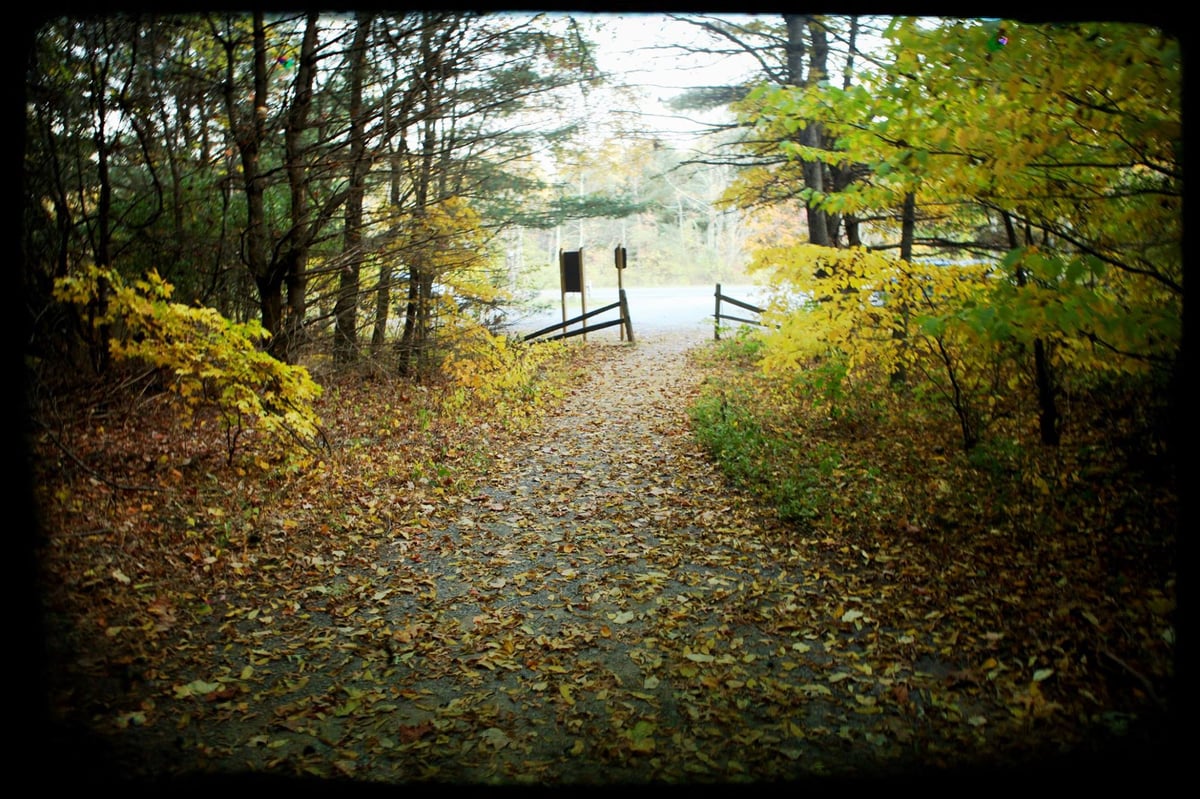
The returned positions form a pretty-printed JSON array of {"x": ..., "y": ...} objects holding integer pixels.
[{"x": 598, "y": 591}]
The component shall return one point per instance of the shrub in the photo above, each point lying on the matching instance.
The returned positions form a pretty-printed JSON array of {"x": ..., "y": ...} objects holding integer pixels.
[{"x": 208, "y": 361}]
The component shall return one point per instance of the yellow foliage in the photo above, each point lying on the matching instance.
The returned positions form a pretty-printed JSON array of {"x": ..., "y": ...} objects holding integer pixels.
[
  {"x": 211, "y": 361},
  {"x": 875, "y": 313},
  {"x": 447, "y": 237},
  {"x": 827, "y": 300},
  {"x": 503, "y": 375}
]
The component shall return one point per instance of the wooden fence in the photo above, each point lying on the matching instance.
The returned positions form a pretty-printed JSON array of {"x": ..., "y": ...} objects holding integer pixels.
[
  {"x": 622, "y": 304},
  {"x": 718, "y": 316}
]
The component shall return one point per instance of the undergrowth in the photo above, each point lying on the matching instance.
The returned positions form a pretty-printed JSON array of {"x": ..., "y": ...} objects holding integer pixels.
[{"x": 1086, "y": 528}]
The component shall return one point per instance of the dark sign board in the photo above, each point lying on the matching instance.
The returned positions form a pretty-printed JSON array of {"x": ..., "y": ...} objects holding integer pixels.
[
  {"x": 619, "y": 254},
  {"x": 572, "y": 271}
]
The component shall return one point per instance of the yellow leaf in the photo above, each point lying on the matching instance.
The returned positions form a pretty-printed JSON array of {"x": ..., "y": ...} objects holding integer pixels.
[{"x": 565, "y": 691}]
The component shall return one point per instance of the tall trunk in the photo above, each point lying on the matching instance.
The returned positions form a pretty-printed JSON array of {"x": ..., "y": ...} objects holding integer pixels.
[
  {"x": 383, "y": 301},
  {"x": 844, "y": 175},
  {"x": 396, "y": 118},
  {"x": 1048, "y": 418},
  {"x": 414, "y": 340},
  {"x": 383, "y": 291},
  {"x": 249, "y": 131},
  {"x": 294, "y": 267},
  {"x": 345, "y": 335},
  {"x": 425, "y": 323},
  {"x": 250, "y": 145},
  {"x": 801, "y": 29},
  {"x": 102, "y": 235}
]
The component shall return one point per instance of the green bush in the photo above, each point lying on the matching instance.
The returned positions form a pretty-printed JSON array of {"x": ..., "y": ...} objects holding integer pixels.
[{"x": 755, "y": 458}]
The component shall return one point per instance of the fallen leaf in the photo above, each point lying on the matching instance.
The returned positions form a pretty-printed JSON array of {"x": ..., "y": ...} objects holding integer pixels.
[{"x": 495, "y": 737}]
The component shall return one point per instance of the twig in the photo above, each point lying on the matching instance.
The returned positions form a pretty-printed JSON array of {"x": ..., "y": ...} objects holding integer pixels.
[
  {"x": 1136, "y": 675},
  {"x": 78, "y": 462}
]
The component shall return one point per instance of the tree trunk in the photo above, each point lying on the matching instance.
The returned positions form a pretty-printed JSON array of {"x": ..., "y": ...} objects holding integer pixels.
[
  {"x": 396, "y": 118},
  {"x": 1048, "y": 422},
  {"x": 102, "y": 241},
  {"x": 416, "y": 318},
  {"x": 249, "y": 131},
  {"x": 800, "y": 29},
  {"x": 295, "y": 263},
  {"x": 383, "y": 301},
  {"x": 345, "y": 336},
  {"x": 908, "y": 228},
  {"x": 1048, "y": 418}
]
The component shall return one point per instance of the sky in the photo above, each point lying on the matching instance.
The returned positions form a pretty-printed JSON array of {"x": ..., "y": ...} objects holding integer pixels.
[
  {"x": 640, "y": 49},
  {"x": 636, "y": 50}
]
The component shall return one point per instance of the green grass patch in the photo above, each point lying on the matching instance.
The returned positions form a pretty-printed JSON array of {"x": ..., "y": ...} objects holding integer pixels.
[{"x": 742, "y": 420}]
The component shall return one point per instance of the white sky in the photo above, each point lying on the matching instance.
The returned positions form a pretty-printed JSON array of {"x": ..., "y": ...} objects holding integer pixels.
[
  {"x": 640, "y": 48},
  {"x": 636, "y": 50}
]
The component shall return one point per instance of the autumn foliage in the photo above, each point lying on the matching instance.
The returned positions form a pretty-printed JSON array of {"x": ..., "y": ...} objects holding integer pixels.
[
  {"x": 841, "y": 542},
  {"x": 1024, "y": 189},
  {"x": 207, "y": 362}
]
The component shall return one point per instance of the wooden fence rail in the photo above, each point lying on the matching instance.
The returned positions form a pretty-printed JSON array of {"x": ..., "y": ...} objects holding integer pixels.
[
  {"x": 623, "y": 319},
  {"x": 718, "y": 316}
]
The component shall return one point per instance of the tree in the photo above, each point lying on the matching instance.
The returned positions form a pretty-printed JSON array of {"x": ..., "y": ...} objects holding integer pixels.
[
  {"x": 802, "y": 52},
  {"x": 275, "y": 164},
  {"x": 345, "y": 313},
  {"x": 1070, "y": 148},
  {"x": 478, "y": 76},
  {"x": 206, "y": 362}
]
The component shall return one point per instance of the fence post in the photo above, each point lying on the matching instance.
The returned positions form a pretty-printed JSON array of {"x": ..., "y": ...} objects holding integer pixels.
[
  {"x": 628, "y": 323},
  {"x": 717, "y": 316}
]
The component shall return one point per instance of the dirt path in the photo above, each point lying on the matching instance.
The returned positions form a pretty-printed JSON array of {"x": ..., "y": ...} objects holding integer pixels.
[
  {"x": 604, "y": 610},
  {"x": 606, "y": 589}
]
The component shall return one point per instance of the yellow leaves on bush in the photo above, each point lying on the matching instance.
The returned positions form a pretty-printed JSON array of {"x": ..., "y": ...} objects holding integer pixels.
[
  {"x": 446, "y": 237},
  {"x": 861, "y": 304},
  {"x": 212, "y": 362},
  {"x": 827, "y": 300},
  {"x": 875, "y": 314},
  {"x": 498, "y": 373}
]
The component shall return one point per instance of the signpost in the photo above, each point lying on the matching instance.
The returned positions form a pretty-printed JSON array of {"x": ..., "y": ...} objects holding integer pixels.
[
  {"x": 570, "y": 265},
  {"x": 570, "y": 269},
  {"x": 619, "y": 260}
]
